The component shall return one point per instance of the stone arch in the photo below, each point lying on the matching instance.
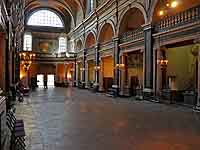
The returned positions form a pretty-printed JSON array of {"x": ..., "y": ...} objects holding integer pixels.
[
  {"x": 79, "y": 45},
  {"x": 90, "y": 40},
  {"x": 131, "y": 19},
  {"x": 106, "y": 32}
]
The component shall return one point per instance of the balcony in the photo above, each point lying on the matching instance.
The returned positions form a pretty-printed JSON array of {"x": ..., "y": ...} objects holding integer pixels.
[
  {"x": 106, "y": 45},
  {"x": 90, "y": 50},
  {"x": 132, "y": 36},
  {"x": 183, "y": 18}
]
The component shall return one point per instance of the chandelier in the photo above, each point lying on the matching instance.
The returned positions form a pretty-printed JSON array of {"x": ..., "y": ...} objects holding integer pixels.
[
  {"x": 167, "y": 6},
  {"x": 26, "y": 59}
]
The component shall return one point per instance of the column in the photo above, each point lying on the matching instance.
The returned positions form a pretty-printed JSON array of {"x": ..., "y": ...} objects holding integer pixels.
[
  {"x": 148, "y": 62},
  {"x": 86, "y": 73},
  {"x": 116, "y": 61},
  {"x": 198, "y": 97},
  {"x": 57, "y": 78},
  {"x": 158, "y": 73},
  {"x": 65, "y": 73},
  {"x": 77, "y": 73},
  {"x": 84, "y": 66},
  {"x": 74, "y": 73},
  {"x": 101, "y": 75},
  {"x": 97, "y": 64},
  {"x": 122, "y": 75}
]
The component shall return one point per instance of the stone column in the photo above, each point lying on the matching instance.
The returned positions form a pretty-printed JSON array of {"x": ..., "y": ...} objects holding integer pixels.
[
  {"x": 77, "y": 73},
  {"x": 116, "y": 61},
  {"x": 158, "y": 73},
  {"x": 56, "y": 78},
  {"x": 84, "y": 66},
  {"x": 198, "y": 97},
  {"x": 101, "y": 75},
  {"x": 148, "y": 62},
  {"x": 97, "y": 64},
  {"x": 74, "y": 73},
  {"x": 122, "y": 75},
  {"x": 86, "y": 73}
]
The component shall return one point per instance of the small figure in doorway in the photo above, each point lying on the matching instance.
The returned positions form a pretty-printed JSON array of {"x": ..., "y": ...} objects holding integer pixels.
[{"x": 45, "y": 82}]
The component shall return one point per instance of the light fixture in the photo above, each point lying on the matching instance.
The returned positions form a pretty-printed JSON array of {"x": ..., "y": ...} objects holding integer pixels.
[
  {"x": 97, "y": 68},
  {"x": 174, "y": 4},
  {"x": 120, "y": 66},
  {"x": 161, "y": 13},
  {"x": 26, "y": 59},
  {"x": 166, "y": 8},
  {"x": 82, "y": 69},
  {"x": 163, "y": 62},
  {"x": 168, "y": 5}
]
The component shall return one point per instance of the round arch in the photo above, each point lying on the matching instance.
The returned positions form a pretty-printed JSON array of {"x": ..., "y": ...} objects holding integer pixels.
[
  {"x": 79, "y": 45},
  {"x": 90, "y": 39},
  {"x": 57, "y": 6},
  {"x": 111, "y": 24},
  {"x": 52, "y": 12},
  {"x": 134, "y": 5},
  {"x": 132, "y": 20},
  {"x": 106, "y": 32}
]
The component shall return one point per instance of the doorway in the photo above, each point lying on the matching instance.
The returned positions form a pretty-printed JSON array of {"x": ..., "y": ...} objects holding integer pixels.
[
  {"x": 50, "y": 80},
  {"x": 40, "y": 80}
]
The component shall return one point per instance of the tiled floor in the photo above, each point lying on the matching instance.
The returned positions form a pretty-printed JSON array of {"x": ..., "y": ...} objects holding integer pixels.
[{"x": 72, "y": 119}]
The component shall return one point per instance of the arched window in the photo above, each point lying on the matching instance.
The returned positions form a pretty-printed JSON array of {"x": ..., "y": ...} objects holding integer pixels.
[
  {"x": 27, "y": 42},
  {"x": 45, "y": 18},
  {"x": 62, "y": 45}
]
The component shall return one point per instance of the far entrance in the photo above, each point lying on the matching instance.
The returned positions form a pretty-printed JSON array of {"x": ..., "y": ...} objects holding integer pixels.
[{"x": 50, "y": 80}]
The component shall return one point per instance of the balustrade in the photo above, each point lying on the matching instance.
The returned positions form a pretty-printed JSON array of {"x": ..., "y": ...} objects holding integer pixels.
[
  {"x": 106, "y": 45},
  {"x": 132, "y": 35},
  {"x": 91, "y": 50},
  {"x": 185, "y": 17}
]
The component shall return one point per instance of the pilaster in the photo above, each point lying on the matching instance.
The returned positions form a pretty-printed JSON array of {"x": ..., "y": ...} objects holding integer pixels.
[
  {"x": 116, "y": 61},
  {"x": 84, "y": 66},
  {"x": 86, "y": 73},
  {"x": 97, "y": 64},
  {"x": 198, "y": 81},
  {"x": 77, "y": 73},
  {"x": 148, "y": 62}
]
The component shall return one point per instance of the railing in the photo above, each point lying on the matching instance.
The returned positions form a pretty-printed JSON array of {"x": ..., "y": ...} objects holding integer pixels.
[
  {"x": 185, "y": 17},
  {"x": 106, "y": 45},
  {"x": 90, "y": 50},
  {"x": 132, "y": 35}
]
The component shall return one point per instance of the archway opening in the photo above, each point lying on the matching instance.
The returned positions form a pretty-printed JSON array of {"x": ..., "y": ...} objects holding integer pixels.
[
  {"x": 106, "y": 33},
  {"x": 45, "y": 18},
  {"x": 132, "y": 20},
  {"x": 90, "y": 41},
  {"x": 79, "y": 45}
]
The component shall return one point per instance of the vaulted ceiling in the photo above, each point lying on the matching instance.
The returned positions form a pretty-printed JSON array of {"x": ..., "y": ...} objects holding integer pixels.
[{"x": 66, "y": 8}]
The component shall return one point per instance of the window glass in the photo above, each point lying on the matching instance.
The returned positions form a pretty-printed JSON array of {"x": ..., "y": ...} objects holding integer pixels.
[
  {"x": 62, "y": 45},
  {"x": 27, "y": 42},
  {"x": 45, "y": 18}
]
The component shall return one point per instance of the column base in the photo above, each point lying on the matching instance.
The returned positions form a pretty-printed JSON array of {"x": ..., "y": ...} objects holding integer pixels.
[
  {"x": 196, "y": 109},
  {"x": 149, "y": 95},
  {"x": 95, "y": 88}
]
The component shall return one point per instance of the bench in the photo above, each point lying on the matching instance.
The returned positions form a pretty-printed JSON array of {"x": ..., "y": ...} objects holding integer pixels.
[{"x": 17, "y": 130}]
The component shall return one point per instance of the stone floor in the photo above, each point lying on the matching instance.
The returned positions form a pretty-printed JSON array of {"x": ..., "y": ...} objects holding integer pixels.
[{"x": 72, "y": 119}]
